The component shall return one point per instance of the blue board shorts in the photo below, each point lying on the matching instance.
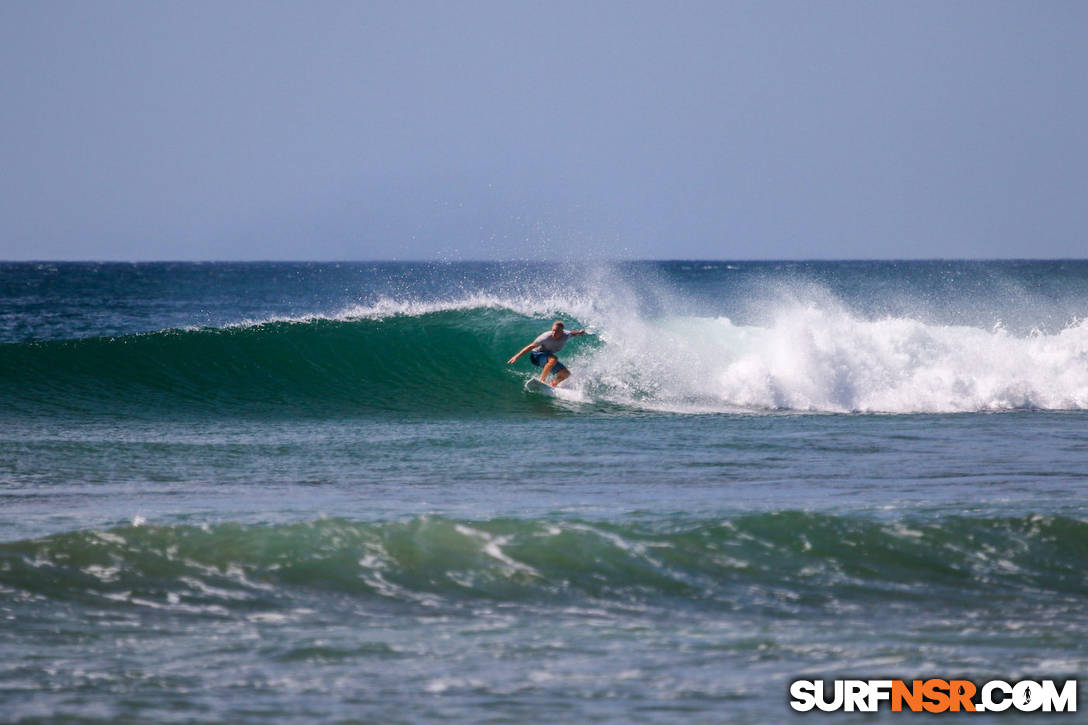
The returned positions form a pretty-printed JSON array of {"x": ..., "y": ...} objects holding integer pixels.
[{"x": 540, "y": 359}]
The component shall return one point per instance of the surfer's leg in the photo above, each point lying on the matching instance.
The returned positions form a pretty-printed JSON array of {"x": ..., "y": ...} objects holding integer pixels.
[
  {"x": 559, "y": 371},
  {"x": 552, "y": 360}
]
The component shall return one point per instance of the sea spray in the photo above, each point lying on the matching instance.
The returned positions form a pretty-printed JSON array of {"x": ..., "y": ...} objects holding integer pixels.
[{"x": 829, "y": 360}]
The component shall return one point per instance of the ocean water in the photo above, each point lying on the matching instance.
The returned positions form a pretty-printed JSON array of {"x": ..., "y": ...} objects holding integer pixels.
[{"x": 318, "y": 493}]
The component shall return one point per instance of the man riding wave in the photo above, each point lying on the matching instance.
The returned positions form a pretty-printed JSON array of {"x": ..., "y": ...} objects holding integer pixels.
[{"x": 542, "y": 352}]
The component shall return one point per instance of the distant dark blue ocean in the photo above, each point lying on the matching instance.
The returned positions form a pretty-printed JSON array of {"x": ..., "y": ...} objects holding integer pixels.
[{"x": 298, "y": 493}]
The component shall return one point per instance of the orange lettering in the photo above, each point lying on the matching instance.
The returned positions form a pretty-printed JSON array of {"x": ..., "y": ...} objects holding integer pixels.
[
  {"x": 961, "y": 692},
  {"x": 912, "y": 695},
  {"x": 937, "y": 692}
]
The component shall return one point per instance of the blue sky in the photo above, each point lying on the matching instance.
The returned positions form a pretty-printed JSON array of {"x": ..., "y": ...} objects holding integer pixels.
[{"x": 501, "y": 130}]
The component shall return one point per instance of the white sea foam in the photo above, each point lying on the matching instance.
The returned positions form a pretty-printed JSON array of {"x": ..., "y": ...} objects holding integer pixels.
[{"x": 829, "y": 360}]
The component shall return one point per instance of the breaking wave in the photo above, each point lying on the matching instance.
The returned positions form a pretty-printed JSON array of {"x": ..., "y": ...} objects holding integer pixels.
[{"x": 450, "y": 359}]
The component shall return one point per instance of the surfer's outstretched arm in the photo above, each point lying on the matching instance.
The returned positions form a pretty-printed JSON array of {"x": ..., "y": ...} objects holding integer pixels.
[{"x": 521, "y": 352}]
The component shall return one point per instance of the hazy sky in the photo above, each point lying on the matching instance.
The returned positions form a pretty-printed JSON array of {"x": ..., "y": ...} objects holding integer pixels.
[{"x": 496, "y": 130}]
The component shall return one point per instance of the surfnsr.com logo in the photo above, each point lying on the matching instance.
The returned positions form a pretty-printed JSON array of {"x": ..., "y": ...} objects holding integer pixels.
[{"x": 933, "y": 695}]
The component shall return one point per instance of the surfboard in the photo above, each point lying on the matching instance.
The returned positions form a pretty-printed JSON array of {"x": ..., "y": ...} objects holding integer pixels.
[
  {"x": 568, "y": 394},
  {"x": 534, "y": 385}
]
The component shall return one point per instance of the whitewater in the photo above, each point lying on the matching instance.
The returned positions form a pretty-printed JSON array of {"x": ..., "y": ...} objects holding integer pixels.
[{"x": 318, "y": 492}]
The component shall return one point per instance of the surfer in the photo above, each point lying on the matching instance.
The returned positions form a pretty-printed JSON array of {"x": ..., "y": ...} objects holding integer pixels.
[{"x": 544, "y": 348}]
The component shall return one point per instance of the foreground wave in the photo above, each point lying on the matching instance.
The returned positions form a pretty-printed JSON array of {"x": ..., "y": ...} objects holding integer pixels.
[
  {"x": 450, "y": 359},
  {"x": 783, "y": 560}
]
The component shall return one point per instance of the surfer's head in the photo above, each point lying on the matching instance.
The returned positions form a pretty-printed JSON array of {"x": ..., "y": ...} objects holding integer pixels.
[{"x": 557, "y": 327}]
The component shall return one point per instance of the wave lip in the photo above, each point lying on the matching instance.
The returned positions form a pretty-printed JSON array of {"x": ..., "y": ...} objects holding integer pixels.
[{"x": 387, "y": 307}]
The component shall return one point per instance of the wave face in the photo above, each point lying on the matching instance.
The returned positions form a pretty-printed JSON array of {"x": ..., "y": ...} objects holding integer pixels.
[
  {"x": 435, "y": 361},
  {"x": 872, "y": 338},
  {"x": 789, "y": 559}
]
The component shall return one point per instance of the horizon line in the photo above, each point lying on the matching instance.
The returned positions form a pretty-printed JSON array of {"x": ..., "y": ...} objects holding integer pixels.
[{"x": 742, "y": 260}]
